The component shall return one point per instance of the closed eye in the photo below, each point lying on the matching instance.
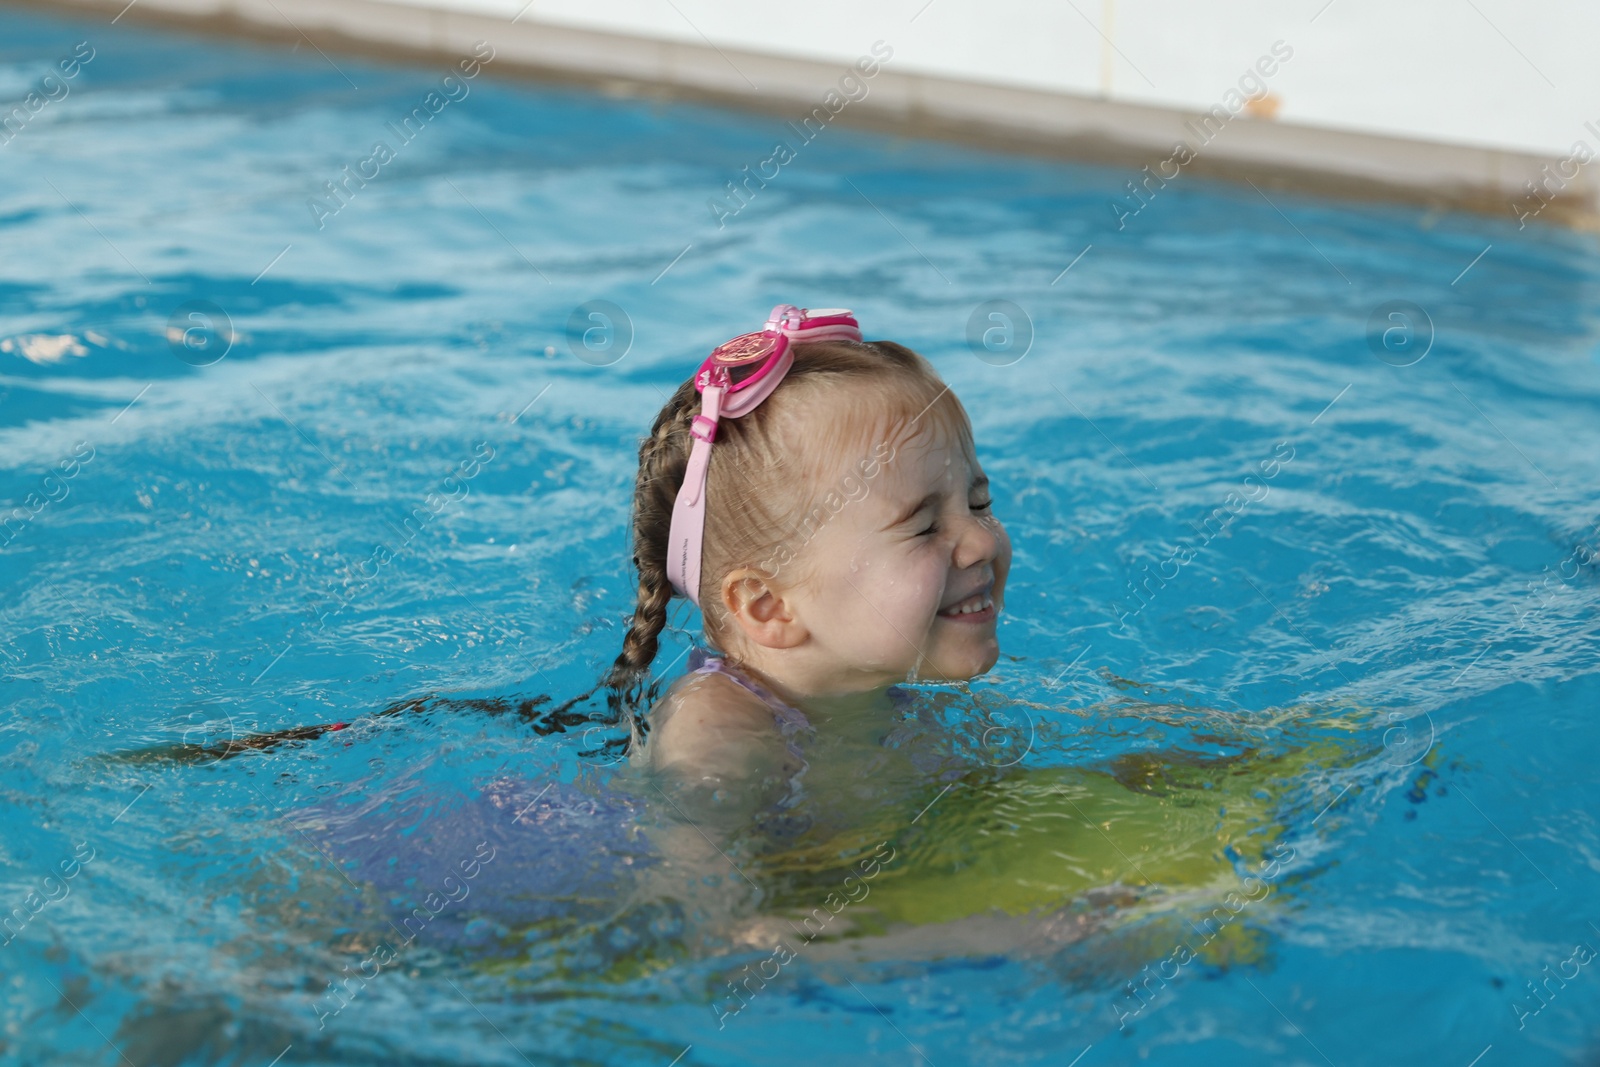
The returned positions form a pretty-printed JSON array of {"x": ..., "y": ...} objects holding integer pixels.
[
  {"x": 933, "y": 527},
  {"x": 923, "y": 520}
]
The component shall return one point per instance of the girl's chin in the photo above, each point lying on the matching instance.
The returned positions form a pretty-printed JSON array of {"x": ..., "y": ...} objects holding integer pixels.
[{"x": 959, "y": 668}]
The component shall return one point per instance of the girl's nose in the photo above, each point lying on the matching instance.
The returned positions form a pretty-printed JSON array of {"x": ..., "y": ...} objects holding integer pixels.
[{"x": 979, "y": 543}]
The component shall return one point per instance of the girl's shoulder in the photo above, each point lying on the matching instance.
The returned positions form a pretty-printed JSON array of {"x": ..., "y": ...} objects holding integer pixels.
[{"x": 708, "y": 724}]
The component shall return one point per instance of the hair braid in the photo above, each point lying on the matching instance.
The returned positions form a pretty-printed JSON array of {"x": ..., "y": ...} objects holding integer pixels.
[{"x": 663, "y": 458}]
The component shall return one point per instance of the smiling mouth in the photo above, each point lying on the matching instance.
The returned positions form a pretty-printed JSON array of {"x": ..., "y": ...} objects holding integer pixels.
[{"x": 976, "y": 608}]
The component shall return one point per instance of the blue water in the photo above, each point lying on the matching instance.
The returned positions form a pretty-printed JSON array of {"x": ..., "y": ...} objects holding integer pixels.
[{"x": 197, "y": 557}]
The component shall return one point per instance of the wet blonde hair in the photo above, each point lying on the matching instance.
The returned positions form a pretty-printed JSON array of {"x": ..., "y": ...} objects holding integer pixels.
[{"x": 767, "y": 477}]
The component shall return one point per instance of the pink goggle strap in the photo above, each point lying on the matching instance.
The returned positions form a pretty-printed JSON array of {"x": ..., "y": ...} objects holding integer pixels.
[{"x": 684, "y": 540}]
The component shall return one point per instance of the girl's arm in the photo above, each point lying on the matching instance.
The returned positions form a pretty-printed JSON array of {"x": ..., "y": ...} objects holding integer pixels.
[
  {"x": 716, "y": 754},
  {"x": 713, "y": 762}
]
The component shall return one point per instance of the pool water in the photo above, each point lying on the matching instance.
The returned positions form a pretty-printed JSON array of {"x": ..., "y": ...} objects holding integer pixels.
[{"x": 1276, "y": 470}]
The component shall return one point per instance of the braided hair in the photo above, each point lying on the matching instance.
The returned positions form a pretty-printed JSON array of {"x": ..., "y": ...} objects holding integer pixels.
[{"x": 663, "y": 458}]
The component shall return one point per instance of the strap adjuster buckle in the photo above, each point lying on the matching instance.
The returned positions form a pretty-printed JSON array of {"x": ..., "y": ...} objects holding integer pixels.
[{"x": 703, "y": 429}]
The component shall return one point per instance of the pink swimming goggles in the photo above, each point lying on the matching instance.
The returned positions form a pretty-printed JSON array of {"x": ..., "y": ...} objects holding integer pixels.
[{"x": 720, "y": 396}]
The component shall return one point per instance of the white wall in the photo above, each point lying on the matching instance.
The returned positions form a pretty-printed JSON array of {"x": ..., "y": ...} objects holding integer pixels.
[{"x": 1483, "y": 73}]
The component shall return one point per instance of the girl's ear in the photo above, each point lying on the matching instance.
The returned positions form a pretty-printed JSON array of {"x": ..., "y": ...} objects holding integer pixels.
[{"x": 759, "y": 608}]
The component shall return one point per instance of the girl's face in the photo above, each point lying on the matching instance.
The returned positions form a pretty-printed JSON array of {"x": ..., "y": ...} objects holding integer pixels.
[{"x": 907, "y": 581}]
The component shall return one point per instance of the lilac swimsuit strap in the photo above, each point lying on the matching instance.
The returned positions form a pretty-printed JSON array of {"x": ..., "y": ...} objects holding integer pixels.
[{"x": 790, "y": 720}]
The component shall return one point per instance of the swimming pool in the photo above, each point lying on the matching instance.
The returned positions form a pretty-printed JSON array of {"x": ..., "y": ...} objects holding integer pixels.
[{"x": 280, "y": 466}]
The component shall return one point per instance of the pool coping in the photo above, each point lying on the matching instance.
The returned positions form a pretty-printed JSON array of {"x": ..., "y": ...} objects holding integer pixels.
[{"x": 1262, "y": 152}]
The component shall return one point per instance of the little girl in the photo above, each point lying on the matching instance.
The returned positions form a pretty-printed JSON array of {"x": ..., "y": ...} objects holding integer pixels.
[{"x": 819, "y": 498}]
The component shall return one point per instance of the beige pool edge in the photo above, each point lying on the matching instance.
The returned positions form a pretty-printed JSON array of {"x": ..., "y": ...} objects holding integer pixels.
[{"x": 1272, "y": 156}]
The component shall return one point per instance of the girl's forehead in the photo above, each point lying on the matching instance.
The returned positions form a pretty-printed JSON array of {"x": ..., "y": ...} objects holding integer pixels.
[
  {"x": 882, "y": 439},
  {"x": 906, "y": 466},
  {"x": 933, "y": 459},
  {"x": 939, "y": 434},
  {"x": 908, "y": 422}
]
